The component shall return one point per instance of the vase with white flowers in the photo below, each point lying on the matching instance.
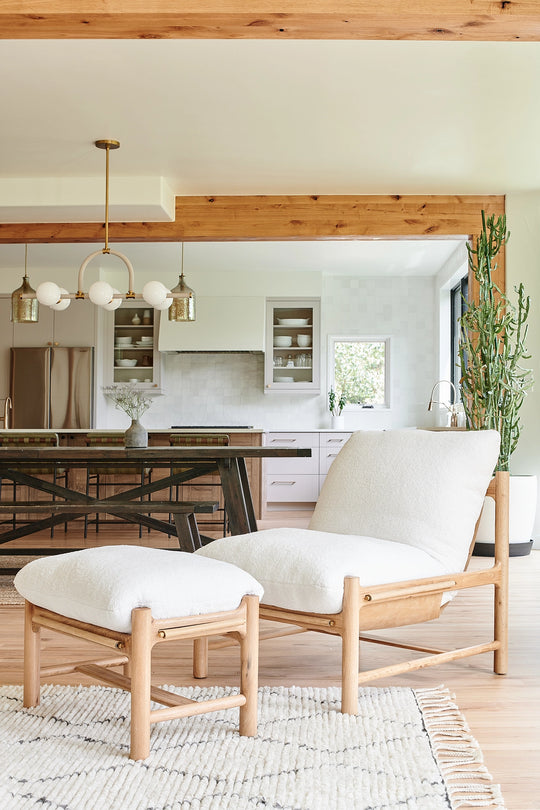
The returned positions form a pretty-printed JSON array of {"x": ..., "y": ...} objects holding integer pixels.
[
  {"x": 336, "y": 403},
  {"x": 134, "y": 403}
]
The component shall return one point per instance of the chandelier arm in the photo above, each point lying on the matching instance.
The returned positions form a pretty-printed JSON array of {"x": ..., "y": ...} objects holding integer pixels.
[{"x": 86, "y": 262}]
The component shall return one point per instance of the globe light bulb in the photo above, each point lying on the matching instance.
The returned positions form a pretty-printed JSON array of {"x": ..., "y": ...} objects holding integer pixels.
[
  {"x": 101, "y": 293},
  {"x": 63, "y": 303},
  {"x": 114, "y": 303},
  {"x": 48, "y": 293},
  {"x": 154, "y": 293},
  {"x": 165, "y": 304}
]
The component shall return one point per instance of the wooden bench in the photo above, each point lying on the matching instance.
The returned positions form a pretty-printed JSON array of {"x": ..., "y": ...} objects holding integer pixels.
[{"x": 183, "y": 512}]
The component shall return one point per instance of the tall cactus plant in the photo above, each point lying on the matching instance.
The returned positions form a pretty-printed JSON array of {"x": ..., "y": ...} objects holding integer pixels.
[{"x": 492, "y": 346}]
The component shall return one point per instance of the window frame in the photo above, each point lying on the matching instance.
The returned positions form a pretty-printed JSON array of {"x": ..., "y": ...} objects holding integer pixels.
[
  {"x": 386, "y": 339},
  {"x": 458, "y": 295}
]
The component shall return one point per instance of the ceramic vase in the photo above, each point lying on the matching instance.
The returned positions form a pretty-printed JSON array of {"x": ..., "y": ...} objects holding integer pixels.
[
  {"x": 136, "y": 435},
  {"x": 338, "y": 422},
  {"x": 522, "y": 503}
]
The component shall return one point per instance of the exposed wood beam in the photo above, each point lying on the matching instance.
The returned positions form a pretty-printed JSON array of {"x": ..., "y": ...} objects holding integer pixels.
[
  {"x": 504, "y": 20},
  {"x": 264, "y": 218},
  {"x": 282, "y": 217}
]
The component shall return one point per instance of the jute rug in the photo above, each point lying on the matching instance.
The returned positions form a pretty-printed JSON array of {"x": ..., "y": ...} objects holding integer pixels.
[
  {"x": 8, "y": 566},
  {"x": 407, "y": 750}
]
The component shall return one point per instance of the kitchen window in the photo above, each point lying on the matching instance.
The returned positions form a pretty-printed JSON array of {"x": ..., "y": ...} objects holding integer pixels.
[
  {"x": 360, "y": 370},
  {"x": 458, "y": 307}
]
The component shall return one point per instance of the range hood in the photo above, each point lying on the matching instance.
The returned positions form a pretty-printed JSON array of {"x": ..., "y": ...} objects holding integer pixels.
[{"x": 224, "y": 324}]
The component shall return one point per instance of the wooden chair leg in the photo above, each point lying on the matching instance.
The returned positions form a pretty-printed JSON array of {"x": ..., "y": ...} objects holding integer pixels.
[
  {"x": 141, "y": 665},
  {"x": 249, "y": 668},
  {"x": 200, "y": 657},
  {"x": 350, "y": 653},
  {"x": 32, "y": 638}
]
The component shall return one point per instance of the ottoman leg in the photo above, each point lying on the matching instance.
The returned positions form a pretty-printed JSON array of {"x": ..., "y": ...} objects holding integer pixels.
[
  {"x": 200, "y": 657},
  {"x": 249, "y": 673},
  {"x": 32, "y": 639},
  {"x": 141, "y": 664}
]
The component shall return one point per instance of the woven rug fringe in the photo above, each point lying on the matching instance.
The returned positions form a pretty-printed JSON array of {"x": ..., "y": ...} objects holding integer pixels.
[{"x": 457, "y": 752}]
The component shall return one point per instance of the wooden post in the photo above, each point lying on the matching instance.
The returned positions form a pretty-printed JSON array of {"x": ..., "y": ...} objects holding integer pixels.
[
  {"x": 200, "y": 657},
  {"x": 32, "y": 639},
  {"x": 502, "y": 553},
  {"x": 141, "y": 660},
  {"x": 350, "y": 654},
  {"x": 249, "y": 672}
]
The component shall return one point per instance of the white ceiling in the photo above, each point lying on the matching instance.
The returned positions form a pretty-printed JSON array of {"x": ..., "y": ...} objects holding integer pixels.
[
  {"x": 251, "y": 116},
  {"x": 263, "y": 117},
  {"x": 372, "y": 258}
]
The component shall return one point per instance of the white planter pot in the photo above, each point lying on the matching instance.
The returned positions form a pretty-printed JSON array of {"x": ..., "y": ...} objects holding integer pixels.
[
  {"x": 338, "y": 422},
  {"x": 523, "y": 492}
]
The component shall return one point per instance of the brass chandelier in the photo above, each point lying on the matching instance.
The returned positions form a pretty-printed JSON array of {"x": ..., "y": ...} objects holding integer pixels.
[{"x": 101, "y": 292}]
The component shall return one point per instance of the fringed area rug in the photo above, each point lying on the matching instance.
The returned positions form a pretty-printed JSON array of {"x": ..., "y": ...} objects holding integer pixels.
[{"x": 407, "y": 750}]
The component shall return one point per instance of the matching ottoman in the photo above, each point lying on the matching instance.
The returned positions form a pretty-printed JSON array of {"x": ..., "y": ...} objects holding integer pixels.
[{"x": 130, "y": 598}]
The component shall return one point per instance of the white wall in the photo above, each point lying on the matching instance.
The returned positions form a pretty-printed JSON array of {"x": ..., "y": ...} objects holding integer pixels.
[{"x": 523, "y": 265}]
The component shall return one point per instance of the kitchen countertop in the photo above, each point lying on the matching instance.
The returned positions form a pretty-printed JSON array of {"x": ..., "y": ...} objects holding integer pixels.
[{"x": 65, "y": 431}]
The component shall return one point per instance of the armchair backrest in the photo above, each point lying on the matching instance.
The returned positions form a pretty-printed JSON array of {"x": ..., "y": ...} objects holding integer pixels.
[{"x": 423, "y": 488}]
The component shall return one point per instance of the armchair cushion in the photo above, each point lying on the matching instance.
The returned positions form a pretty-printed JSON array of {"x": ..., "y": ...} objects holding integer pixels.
[
  {"x": 422, "y": 488},
  {"x": 301, "y": 569},
  {"x": 102, "y": 585}
]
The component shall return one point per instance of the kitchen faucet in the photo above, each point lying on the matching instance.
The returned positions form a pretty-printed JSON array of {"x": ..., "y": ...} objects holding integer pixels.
[
  {"x": 8, "y": 407},
  {"x": 450, "y": 408}
]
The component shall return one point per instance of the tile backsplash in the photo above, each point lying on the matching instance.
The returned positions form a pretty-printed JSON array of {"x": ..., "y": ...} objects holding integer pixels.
[{"x": 228, "y": 388}]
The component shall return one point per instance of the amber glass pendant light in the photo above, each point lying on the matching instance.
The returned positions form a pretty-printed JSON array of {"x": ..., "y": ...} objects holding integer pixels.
[
  {"x": 24, "y": 310},
  {"x": 183, "y": 306}
]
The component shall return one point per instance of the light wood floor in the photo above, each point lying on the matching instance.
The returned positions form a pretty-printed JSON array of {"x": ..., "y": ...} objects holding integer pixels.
[{"x": 503, "y": 711}]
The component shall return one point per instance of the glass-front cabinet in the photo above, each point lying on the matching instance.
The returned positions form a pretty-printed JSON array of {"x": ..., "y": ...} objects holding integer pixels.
[
  {"x": 292, "y": 356},
  {"x": 133, "y": 354}
]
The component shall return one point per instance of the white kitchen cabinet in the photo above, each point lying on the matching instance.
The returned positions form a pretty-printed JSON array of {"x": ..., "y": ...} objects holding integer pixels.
[
  {"x": 74, "y": 326},
  {"x": 329, "y": 446},
  {"x": 292, "y": 345},
  {"x": 295, "y": 483},
  {"x": 36, "y": 334},
  {"x": 131, "y": 354},
  {"x": 222, "y": 324}
]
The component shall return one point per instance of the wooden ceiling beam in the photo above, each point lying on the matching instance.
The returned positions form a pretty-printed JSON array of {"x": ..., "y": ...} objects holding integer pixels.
[
  {"x": 462, "y": 20},
  {"x": 303, "y": 217}
]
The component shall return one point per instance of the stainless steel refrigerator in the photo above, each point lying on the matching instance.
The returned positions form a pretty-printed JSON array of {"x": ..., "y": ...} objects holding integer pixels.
[{"x": 52, "y": 387}]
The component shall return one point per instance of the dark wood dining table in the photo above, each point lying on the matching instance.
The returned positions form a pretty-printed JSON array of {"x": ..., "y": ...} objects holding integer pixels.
[{"x": 183, "y": 464}]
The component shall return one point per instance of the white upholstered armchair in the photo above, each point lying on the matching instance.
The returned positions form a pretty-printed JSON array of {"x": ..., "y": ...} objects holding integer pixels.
[{"x": 388, "y": 545}]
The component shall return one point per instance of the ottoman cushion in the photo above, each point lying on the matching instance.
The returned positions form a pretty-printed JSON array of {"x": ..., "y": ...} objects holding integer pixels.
[{"x": 102, "y": 585}]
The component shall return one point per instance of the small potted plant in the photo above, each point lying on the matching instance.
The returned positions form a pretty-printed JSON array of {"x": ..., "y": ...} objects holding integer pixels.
[
  {"x": 134, "y": 403},
  {"x": 335, "y": 406},
  {"x": 494, "y": 381}
]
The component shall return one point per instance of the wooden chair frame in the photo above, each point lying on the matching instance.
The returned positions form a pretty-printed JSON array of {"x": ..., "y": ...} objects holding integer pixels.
[
  {"x": 241, "y": 624},
  {"x": 403, "y": 603}
]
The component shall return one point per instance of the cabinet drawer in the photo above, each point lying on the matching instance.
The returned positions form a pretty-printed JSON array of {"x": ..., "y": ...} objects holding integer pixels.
[
  {"x": 292, "y": 488},
  {"x": 286, "y": 439},
  {"x": 327, "y": 456},
  {"x": 294, "y": 466},
  {"x": 334, "y": 440}
]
